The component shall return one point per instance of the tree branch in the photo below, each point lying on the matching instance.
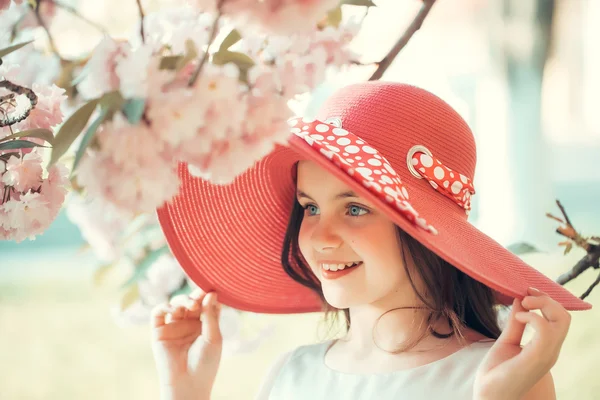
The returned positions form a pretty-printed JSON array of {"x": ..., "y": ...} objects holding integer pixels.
[
  {"x": 213, "y": 34},
  {"x": 590, "y": 260},
  {"x": 403, "y": 40},
  {"x": 141, "y": 10},
  {"x": 40, "y": 20}
]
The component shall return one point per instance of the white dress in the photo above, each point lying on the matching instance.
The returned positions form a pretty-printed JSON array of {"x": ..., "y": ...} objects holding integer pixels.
[{"x": 305, "y": 376}]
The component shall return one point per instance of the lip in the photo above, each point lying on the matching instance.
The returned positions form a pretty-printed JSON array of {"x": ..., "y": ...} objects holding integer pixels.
[{"x": 330, "y": 275}]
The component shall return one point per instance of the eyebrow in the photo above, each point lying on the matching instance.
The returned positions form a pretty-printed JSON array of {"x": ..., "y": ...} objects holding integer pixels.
[{"x": 342, "y": 195}]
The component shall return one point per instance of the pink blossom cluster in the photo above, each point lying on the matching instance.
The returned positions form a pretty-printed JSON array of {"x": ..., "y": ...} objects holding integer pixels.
[
  {"x": 220, "y": 126},
  {"x": 30, "y": 195}
]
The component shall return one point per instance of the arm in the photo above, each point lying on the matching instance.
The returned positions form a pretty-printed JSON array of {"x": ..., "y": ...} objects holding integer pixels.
[
  {"x": 543, "y": 390},
  {"x": 269, "y": 381}
]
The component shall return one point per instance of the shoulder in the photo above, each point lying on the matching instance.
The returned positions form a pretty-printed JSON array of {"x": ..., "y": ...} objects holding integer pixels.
[{"x": 282, "y": 361}]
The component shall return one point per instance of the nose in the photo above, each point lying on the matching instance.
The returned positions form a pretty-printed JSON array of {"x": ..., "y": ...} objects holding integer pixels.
[{"x": 324, "y": 238}]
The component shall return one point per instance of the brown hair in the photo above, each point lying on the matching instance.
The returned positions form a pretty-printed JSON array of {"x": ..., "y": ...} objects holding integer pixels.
[{"x": 453, "y": 295}]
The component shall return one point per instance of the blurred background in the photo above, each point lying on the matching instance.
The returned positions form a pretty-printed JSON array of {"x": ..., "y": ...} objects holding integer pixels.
[{"x": 523, "y": 73}]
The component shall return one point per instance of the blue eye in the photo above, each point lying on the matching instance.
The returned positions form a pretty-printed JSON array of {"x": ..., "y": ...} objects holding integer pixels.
[
  {"x": 312, "y": 209},
  {"x": 356, "y": 211}
]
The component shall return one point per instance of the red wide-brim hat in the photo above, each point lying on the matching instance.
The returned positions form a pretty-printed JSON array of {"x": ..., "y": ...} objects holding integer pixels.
[{"x": 398, "y": 146}]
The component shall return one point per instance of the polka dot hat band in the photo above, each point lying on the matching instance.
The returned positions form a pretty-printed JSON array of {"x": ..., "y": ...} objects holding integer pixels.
[{"x": 398, "y": 146}]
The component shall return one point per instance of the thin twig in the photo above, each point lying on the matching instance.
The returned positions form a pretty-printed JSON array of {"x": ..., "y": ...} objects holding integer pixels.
[
  {"x": 213, "y": 34},
  {"x": 73, "y": 11},
  {"x": 403, "y": 40},
  {"x": 141, "y": 10},
  {"x": 40, "y": 20}
]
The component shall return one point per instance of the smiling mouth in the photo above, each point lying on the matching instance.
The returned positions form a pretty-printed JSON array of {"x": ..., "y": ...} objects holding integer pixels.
[{"x": 340, "y": 267}]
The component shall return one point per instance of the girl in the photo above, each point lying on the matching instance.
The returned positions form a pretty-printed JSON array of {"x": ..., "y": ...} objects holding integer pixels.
[{"x": 365, "y": 211}]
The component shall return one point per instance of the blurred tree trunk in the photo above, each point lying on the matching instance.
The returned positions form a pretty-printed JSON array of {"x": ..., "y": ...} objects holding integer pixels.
[{"x": 521, "y": 38}]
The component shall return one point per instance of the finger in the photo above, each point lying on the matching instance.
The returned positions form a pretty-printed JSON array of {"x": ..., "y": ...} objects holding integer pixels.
[
  {"x": 198, "y": 294},
  {"x": 158, "y": 314},
  {"x": 513, "y": 332},
  {"x": 552, "y": 310},
  {"x": 539, "y": 323},
  {"x": 211, "y": 311}
]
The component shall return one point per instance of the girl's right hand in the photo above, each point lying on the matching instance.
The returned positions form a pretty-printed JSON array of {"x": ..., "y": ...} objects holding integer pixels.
[{"x": 187, "y": 345}]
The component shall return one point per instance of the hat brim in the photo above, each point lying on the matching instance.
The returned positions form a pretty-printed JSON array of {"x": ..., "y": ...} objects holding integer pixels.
[{"x": 228, "y": 238}]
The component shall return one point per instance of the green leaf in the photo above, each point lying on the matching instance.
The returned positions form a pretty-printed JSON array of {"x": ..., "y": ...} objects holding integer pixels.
[
  {"x": 334, "y": 17},
  {"x": 89, "y": 134},
  {"x": 231, "y": 39},
  {"x": 365, "y": 3},
  {"x": 101, "y": 272},
  {"x": 134, "y": 110},
  {"x": 145, "y": 264},
  {"x": 19, "y": 144},
  {"x": 6, "y": 51},
  {"x": 176, "y": 63},
  {"x": 241, "y": 60},
  {"x": 112, "y": 100},
  {"x": 72, "y": 127},
  {"x": 45, "y": 134},
  {"x": 130, "y": 296},
  {"x": 169, "y": 62}
]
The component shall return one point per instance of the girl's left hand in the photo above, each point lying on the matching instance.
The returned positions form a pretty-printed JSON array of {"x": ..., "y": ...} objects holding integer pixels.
[{"x": 510, "y": 371}]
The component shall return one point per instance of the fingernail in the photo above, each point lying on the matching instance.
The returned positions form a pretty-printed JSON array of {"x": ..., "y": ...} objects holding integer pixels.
[{"x": 534, "y": 290}]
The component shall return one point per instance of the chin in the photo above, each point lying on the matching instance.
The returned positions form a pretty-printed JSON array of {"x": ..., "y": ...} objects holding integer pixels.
[{"x": 339, "y": 299}]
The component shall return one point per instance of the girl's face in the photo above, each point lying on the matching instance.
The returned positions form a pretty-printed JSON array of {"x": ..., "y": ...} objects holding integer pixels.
[{"x": 339, "y": 227}]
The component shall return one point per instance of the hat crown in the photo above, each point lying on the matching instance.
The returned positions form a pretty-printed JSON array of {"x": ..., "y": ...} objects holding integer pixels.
[{"x": 394, "y": 117}]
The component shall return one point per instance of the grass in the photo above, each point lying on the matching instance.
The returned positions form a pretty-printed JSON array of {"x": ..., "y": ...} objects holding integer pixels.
[{"x": 58, "y": 341}]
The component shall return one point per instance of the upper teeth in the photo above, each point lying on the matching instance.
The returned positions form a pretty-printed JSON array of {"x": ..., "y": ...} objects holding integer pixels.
[{"x": 337, "y": 267}]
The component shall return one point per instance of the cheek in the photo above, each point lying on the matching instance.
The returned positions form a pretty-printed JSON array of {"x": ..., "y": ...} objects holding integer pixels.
[{"x": 304, "y": 241}]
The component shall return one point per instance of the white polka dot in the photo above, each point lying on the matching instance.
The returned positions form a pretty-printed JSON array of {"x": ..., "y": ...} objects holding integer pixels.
[
  {"x": 463, "y": 178},
  {"x": 339, "y": 131},
  {"x": 293, "y": 122},
  {"x": 359, "y": 142},
  {"x": 373, "y": 185},
  {"x": 362, "y": 164},
  {"x": 387, "y": 179},
  {"x": 433, "y": 184},
  {"x": 426, "y": 160},
  {"x": 322, "y": 128},
  {"x": 326, "y": 153},
  {"x": 369, "y": 149},
  {"x": 350, "y": 160},
  {"x": 389, "y": 198},
  {"x": 309, "y": 140},
  {"x": 390, "y": 191},
  {"x": 446, "y": 184},
  {"x": 456, "y": 187},
  {"x": 343, "y": 141},
  {"x": 305, "y": 127},
  {"x": 377, "y": 156},
  {"x": 422, "y": 169},
  {"x": 377, "y": 172},
  {"x": 405, "y": 192},
  {"x": 295, "y": 130},
  {"x": 364, "y": 171},
  {"x": 316, "y": 136},
  {"x": 345, "y": 154},
  {"x": 351, "y": 171},
  {"x": 375, "y": 162},
  {"x": 415, "y": 161},
  {"x": 330, "y": 137},
  {"x": 307, "y": 120},
  {"x": 358, "y": 157},
  {"x": 451, "y": 174},
  {"x": 390, "y": 169},
  {"x": 439, "y": 172},
  {"x": 352, "y": 149},
  {"x": 333, "y": 148}
]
